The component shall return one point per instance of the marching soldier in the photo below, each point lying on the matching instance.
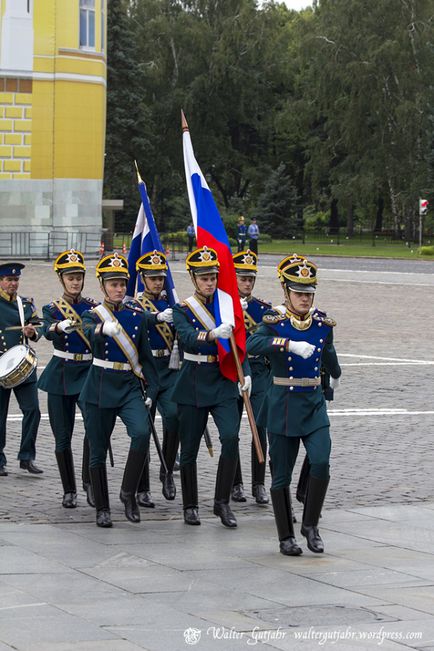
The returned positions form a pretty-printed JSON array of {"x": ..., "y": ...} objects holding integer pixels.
[
  {"x": 298, "y": 340},
  {"x": 122, "y": 366},
  {"x": 153, "y": 269},
  {"x": 16, "y": 316},
  {"x": 65, "y": 373},
  {"x": 201, "y": 389},
  {"x": 245, "y": 263}
]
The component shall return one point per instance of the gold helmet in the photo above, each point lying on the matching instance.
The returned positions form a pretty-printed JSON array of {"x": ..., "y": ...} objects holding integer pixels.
[
  {"x": 298, "y": 274},
  {"x": 152, "y": 263},
  {"x": 245, "y": 263},
  {"x": 112, "y": 266},
  {"x": 71, "y": 261},
  {"x": 202, "y": 261}
]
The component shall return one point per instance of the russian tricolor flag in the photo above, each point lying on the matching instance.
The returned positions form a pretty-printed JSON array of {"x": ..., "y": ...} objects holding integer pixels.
[{"x": 210, "y": 232}]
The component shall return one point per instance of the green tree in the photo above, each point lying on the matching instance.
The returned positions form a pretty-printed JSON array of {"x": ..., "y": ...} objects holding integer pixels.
[{"x": 276, "y": 208}]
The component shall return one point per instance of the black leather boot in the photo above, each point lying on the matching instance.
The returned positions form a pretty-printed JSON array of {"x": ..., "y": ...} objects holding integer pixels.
[
  {"x": 224, "y": 481},
  {"x": 98, "y": 477},
  {"x": 303, "y": 481},
  {"x": 144, "y": 497},
  {"x": 132, "y": 473},
  {"x": 316, "y": 492},
  {"x": 237, "y": 493},
  {"x": 258, "y": 476},
  {"x": 170, "y": 448},
  {"x": 189, "y": 493},
  {"x": 65, "y": 463},
  {"x": 85, "y": 476},
  {"x": 281, "y": 500}
]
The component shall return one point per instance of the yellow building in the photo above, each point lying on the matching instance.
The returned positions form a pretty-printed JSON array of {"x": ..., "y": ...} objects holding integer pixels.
[{"x": 52, "y": 125}]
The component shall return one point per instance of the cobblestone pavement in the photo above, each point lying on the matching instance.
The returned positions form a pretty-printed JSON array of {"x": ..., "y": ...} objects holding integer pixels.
[{"x": 381, "y": 418}]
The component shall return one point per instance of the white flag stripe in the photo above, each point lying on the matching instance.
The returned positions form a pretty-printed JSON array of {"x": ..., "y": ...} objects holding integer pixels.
[
  {"x": 191, "y": 167},
  {"x": 226, "y": 305}
]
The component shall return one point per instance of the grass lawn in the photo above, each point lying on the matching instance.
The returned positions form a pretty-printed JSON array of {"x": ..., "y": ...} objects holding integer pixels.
[
  {"x": 355, "y": 248},
  {"x": 350, "y": 248}
]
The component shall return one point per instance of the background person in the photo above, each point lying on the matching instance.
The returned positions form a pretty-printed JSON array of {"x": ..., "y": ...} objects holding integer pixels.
[{"x": 253, "y": 233}]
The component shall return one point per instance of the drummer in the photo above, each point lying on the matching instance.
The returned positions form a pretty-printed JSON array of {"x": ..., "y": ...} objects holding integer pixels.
[{"x": 16, "y": 329}]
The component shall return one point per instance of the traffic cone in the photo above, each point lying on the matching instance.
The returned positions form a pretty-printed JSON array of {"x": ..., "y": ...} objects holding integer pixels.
[
  {"x": 124, "y": 248},
  {"x": 101, "y": 249}
]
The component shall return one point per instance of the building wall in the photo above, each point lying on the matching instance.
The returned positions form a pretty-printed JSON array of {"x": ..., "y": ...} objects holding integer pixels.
[{"x": 52, "y": 124}]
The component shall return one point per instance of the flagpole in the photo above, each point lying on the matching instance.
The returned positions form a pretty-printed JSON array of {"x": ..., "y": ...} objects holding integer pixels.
[{"x": 247, "y": 403}]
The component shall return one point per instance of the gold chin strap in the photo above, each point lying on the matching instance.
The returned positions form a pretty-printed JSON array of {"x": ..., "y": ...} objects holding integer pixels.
[
  {"x": 298, "y": 322},
  {"x": 101, "y": 284}
]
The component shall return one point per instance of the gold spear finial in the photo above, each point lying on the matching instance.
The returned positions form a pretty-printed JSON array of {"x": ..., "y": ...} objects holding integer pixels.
[
  {"x": 139, "y": 178},
  {"x": 184, "y": 122}
]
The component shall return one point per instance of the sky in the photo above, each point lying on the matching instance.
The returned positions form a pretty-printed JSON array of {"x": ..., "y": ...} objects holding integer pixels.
[{"x": 296, "y": 4}]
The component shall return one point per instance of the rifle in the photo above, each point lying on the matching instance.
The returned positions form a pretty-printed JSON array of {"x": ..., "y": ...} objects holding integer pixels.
[
  {"x": 208, "y": 441},
  {"x": 153, "y": 430}
]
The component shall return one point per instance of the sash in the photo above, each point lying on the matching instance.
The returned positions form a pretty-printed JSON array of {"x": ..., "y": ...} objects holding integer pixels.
[
  {"x": 162, "y": 328},
  {"x": 67, "y": 311},
  {"x": 122, "y": 340},
  {"x": 200, "y": 312},
  {"x": 249, "y": 322}
]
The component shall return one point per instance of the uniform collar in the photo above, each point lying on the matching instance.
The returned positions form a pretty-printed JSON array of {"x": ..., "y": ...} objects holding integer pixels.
[
  {"x": 206, "y": 300},
  {"x": 114, "y": 307},
  {"x": 149, "y": 295},
  {"x": 70, "y": 299},
  {"x": 7, "y": 297}
]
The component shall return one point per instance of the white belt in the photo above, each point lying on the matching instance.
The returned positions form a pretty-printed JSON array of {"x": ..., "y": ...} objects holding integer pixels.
[
  {"x": 297, "y": 381},
  {"x": 77, "y": 357},
  {"x": 116, "y": 366},
  {"x": 206, "y": 359},
  {"x": 161, "y": 352}
]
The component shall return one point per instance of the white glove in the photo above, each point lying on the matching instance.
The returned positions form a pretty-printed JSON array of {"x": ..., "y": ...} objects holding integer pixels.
[
  {"x": 244, "y": 303},
  {"x": 302, "y": 348},
  {"x": 166, "y": 315},
  {"x": 222, "y": 331},
  {"x": 148, "y": 403},
  {"x": 65, "y": 325},
  {"x": 110, "y": 328},
  {"x": 247, "y": 386},
  {"x": 335, "y": 382}
]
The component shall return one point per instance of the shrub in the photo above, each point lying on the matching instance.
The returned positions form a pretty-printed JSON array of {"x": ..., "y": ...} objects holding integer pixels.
[{"x": 426, "y": 250}]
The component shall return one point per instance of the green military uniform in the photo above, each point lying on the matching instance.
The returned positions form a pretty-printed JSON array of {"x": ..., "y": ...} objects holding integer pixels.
[
  {"x": 65, "y": 373},
  {"x": 295, "y": 410},
  {"x": 26, "y": 392},
  {"x": 245, "y": 263},
  {"x": 122, "y": 360},
  {"x": 201, "y": 390},
  {"x": 153, "y": 268}
]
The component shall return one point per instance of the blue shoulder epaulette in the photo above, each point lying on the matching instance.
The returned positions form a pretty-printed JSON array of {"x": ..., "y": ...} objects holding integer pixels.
[{"x": 272, "y": 316}]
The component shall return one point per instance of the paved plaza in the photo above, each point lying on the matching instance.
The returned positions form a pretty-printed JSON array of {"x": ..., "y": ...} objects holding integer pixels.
[{"x": 67, "y": 585}]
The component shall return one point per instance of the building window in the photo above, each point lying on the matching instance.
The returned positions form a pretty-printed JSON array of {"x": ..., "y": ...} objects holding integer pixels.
[
  {"x": 102, "y": 25},
  {"x": 87, "y": 23}
]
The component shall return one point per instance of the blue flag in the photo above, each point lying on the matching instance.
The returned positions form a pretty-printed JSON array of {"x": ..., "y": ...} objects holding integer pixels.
[{"x": 145, "y": 239}]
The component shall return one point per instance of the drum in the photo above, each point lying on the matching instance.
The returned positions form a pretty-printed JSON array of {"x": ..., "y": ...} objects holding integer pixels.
[{"x": 16, "y": 365}]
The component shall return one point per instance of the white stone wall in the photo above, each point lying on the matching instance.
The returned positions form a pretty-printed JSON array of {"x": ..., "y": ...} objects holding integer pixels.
[
  {"x": 38, "y": 218},
  {"x": 16, "y": 41}
]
